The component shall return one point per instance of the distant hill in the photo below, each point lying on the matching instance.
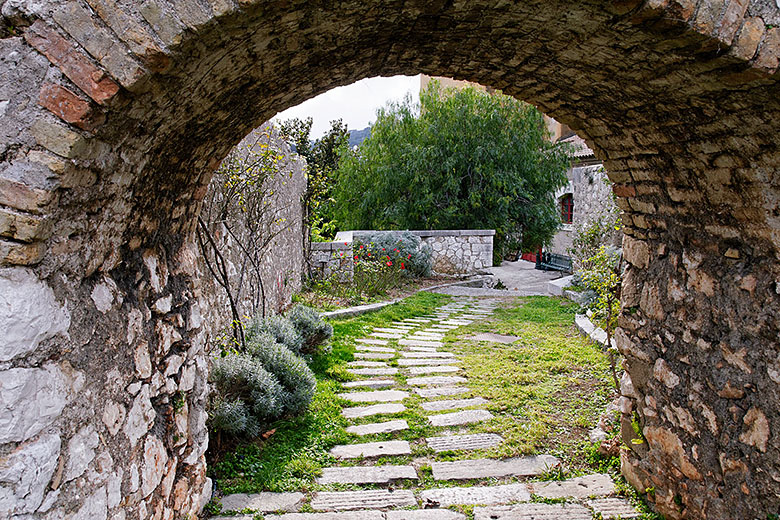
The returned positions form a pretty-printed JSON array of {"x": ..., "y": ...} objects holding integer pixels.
[{"x": 357, "y": 136}]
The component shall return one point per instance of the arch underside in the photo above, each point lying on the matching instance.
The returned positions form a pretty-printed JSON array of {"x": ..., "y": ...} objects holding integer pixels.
[{"x": 679, "y": 99}]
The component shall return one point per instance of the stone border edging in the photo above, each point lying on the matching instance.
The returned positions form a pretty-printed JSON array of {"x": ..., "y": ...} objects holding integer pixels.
[{"x": 587, "y": 328}]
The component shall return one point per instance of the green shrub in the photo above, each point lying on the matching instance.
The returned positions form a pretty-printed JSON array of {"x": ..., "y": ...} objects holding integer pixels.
[
  {"x": 310, "y": 326},
  {"x": 246, "y": 396},
  {"x": 280, "y": 328},
  {"x": 292, "y": 372}
]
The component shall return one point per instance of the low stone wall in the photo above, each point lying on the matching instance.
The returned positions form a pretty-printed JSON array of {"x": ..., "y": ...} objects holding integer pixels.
[
  {"x": 328, "y": 258},
  {"x": 459, "y": 251}
]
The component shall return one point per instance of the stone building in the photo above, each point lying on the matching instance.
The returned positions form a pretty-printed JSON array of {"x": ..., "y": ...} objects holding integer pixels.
[{"x": 587, "y": 196}]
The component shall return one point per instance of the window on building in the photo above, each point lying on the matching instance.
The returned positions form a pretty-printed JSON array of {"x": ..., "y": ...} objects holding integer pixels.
[{"x": 567, "y": 208}]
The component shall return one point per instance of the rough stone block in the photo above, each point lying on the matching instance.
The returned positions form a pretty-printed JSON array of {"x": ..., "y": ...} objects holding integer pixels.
[
  {"x": 579, "y": 487},
  {"x": 383, "y": 427},
  {"x": 424, "y": 514},
  {"x": 460, "y": 418},
  {"x": 376, "y": 409},
  {"x": 77, "y": 67},
  {"x": 451, "y": 404},
  {"x": 371, "y": 449},
  {"x": 263, "y": 502},
  {"x": 489, "y": 468},
  {"x": 25, "y": 473},
  {"x": 354, "y": 500},
  {"x": 375, "y": 397},
  {"x": 420, "y": 343},
  {"x": 485, "y": 495},
  {"x": 426, "y": 362},
  {"x": 439, "y": 392},
  {"x": 370, "y": 383},
  {"x": 29, "y": 313},
  {"x": 533, "y": 512},
  {"x": 366, "y": 474},
  {"x": 30, "y": 400},
  {"x": 367, "y": 363},
  {"x": 477, "y": 441},
  {"x": 614, "y": 508},
  {"x": 433, "y": 370},
  {"x": 344, "y": 515},
  {"x": 369, "y": 341},
  {"x": 58, "y": 139},
  {"x": 435, "y": 380},
  {"x": 427, "y": 354},
  {"x": 374, "y": 355},
  {"x": 373, "y": 371}
]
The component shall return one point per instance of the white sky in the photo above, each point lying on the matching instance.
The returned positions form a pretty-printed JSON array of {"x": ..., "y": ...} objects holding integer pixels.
[{"x": 355, "y": 104}]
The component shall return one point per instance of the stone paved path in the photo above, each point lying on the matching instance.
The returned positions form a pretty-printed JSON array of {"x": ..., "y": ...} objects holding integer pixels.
[{"x": 402, "y": 364}]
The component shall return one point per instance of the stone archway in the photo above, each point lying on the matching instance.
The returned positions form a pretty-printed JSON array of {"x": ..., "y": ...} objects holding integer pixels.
[{"x": 113, "y": 115}]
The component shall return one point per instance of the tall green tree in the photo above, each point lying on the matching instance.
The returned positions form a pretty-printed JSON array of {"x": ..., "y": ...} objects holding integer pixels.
[
  {"x": 461, "y": 159},
  {"x": 322, "y": 157}
]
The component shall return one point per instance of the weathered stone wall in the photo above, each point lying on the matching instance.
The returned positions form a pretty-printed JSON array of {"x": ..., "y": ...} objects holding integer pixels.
[
  {"x": 453, "y": 251},
  {"x": 464, "y": 251},
  {"x": 332, "y": 258},
  {"x": 114, "y": 114},
  {"x": 592, "y": 195},
  {"x": 269, "y": 286}
]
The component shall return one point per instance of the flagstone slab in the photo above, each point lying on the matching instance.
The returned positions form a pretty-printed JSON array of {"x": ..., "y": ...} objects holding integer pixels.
[
  {"x": 580, "y": 487},
  {"x": 366, "y": 363},
  {"x": 445, "y": 327},
  {"x": 424, "y": 514},
  {"x": 459, "y": 418},
  {"x": 452, "y": 404},
  {"x": 417, "y": 320},
  {"x": 343, "y": 515},
  {"x": 422, "y": 334},
  {"x": 366, "y": 474},
  {"x": 430, "y": 361},
  {"x": 374, "y": 409},
  {"x": 427, "y": 354},
  {"x": 386, "y": 335},
  {"x": 369, "y": 348},
  {"x": 371, "y": 449},
  {"x": 613, "y": 508},
  {"x": 391, "y": 330},
  {"x": 494, "y": 338},
  {"x": 476, "y": 441},
  {"x": 382, "y": 427},
  {"x": 491, "y": 468},
  {"x": 374, "y": 355},
  {"x": 425, "y": 337},
  {"x": 420, "y": 343},
  {"x": 373, "y": 371},
  {"x": 422, "y": 349},
  {"x": 441, "y": 391},
  {"x": 485, "y": 495},
  {"x": 369, "y": 341},
  {"x": 435, "y": 380},
  {"x": 263, "y": 502},
  {"x": 458, "y": 322},
  {"x": 433, "y": 370},
  {"x": 372, "y": 499},
  {"x": 533, "y": 512},
  {"x": 381, "y": 396},
  {"x": 369, "y": 383}
]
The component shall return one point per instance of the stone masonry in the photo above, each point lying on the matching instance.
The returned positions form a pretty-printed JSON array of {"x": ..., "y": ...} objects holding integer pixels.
[
  {"x": 453, "y": 251},
  {"x": 113, "y": 116}
]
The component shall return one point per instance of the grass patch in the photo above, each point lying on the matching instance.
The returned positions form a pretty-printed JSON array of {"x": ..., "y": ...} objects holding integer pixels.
[{"x": 547, "y": 389}]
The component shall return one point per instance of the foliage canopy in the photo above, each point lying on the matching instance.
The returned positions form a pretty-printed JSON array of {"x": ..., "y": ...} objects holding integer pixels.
[{"x": 462, "y": 159}]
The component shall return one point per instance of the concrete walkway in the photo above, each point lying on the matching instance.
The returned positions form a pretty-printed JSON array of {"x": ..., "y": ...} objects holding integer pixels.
[{"x": 520, "y": 278}]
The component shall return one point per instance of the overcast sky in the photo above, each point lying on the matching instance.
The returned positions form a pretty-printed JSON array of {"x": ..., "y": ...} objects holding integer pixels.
[{"x": 355, "y": 104}]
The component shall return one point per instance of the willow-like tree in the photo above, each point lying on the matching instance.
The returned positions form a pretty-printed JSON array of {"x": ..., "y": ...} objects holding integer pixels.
[{"x": 461, "y": 159}]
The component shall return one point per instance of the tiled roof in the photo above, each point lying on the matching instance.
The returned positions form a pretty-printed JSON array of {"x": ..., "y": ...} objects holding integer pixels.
[{"x": 581, "y": 150}]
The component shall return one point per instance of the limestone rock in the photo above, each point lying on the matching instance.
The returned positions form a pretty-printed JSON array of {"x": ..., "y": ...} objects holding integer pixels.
[
  {"x": 30, "y": 400},
  {"x": 263, "y": 502},
  {"x": 25, "y": 474}
]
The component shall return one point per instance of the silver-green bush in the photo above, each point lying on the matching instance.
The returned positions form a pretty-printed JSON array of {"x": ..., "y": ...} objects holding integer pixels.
[
  {"x": 399, "y": 246},
  {"x": 292, "y": 372},
  {"x": 280, "y": 328},
  {"x": 242, "y": 378},
  {"x": 310, "y": 326}
]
